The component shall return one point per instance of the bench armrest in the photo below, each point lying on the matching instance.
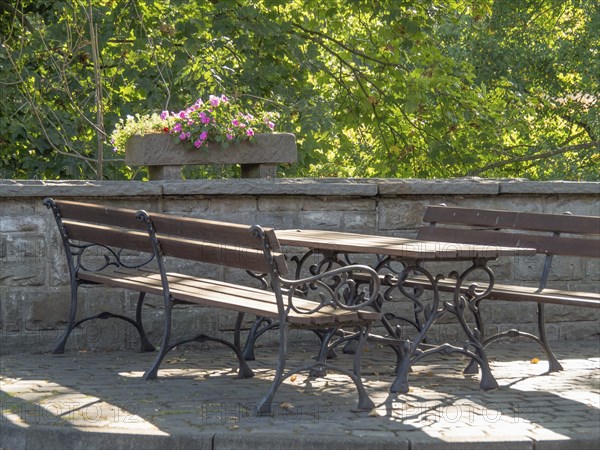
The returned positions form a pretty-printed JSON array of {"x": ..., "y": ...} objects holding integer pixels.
[{"x": 336, "y": 288}]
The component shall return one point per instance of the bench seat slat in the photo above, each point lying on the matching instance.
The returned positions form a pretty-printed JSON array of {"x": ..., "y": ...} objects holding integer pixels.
[
  {"x": 187, "y": 282},
  {"x": 220, "y": 294},
  {"x": 522, "y": 293}
]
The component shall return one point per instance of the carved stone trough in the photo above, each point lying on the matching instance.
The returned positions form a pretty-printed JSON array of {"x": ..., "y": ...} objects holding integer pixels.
[{"x": 165, "y": 157}]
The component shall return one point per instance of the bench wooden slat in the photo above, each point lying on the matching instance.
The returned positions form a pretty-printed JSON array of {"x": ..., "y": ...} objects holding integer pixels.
[
  {"x": 522, "y": 293},
  {"x": 87, "y": 212},
  {"x": 556, "y": 245},
  {"x": 498, "y": 219},
  {"x": 183, "y": 280},
  {"x": 209, "y": 230},
  {"x": 234, "y": 256},
  {"x": 183, "y": 227},
  {"x": 228, "y": 296},
  {"x": 111, "y": 236}
]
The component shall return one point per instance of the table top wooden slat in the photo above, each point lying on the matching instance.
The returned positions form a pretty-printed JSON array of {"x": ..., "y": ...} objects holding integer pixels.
[{"x": 343, "y": 242}]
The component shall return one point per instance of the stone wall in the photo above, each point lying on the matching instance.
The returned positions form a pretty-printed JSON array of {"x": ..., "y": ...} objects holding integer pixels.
[{"x": 34, "y": 289}]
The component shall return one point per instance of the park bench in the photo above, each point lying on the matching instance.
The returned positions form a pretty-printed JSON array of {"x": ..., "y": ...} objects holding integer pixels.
[
  {"x": 550, "y": 234},
  {"x": 131, "y": 249}
]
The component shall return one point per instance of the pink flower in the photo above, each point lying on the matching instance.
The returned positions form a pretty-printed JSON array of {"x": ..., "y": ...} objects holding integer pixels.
[
  {"x": 229, "y": 136},
  {"x": 250, "y": 132},
  {"x": 271, "y": 125},
  {"x": 235, "y": 123},
  {"x": 204, "y": 118},
  {"x": 177, "y": 128},
  {"x": 214, "y": 101},
  {"x": 185, "y": 135},
  {"x": 164, "y": 115},
  {"x": 198, "y": 143},
  {"x": 204, "y": 135}
]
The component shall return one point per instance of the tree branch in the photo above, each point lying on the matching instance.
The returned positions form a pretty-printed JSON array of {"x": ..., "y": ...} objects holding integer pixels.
[{"x": 534, "y": 157}]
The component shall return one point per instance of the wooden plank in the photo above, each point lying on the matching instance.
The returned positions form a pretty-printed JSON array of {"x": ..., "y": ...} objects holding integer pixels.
[
  {"x": 556, "y": 245},
  {"x": 200, "y": 297},
  {"x": 498, "y": 219},
  {"x": 196, "y": 250},
  {"x": 341, "y": 242},
  {"x": 108, "y": 235},
  {"x": 193, "y": 284},
  {"x": 472, "y": 217},
  {"x": 235, "y": 235},
  {"x": 208, "y": 230},
  {"x": 521, "y": 293},
  {"x": 87, "y": 212},
  {"x": 204, "y": 293},
  {"x": 185, "y": 285},
  {"x": 543, "y": 297},
  {"x": 240, "y": 257}
]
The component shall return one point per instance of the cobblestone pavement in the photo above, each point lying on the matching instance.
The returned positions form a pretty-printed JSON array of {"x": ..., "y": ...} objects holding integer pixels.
[{"x": 98, "y": 400}]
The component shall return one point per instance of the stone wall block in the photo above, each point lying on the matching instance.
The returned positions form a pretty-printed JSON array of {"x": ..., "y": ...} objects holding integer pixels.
[
  {"x": 268, "y": 204},
  {"x": 570, "y": 331},
  {"x": 503, "y": 312},
  {"x": 29, "y": 272},
  {"x": 47, "y": 310},
  {"x": 326, "y": 204},
  {"x": 12, "y": 301},
  {"x": 280, "y": 220},
  {"x": 529, "y": 269},
  {"x": 196, "y": 207},
  {"x": 563, "y": 313},
  {"x": 586, "y": 205},
  {"x": 222, "y": 205},
  {"x": 401, "y": 214},
  {"x": 359, "y": 222},
  {"x": 320, "y": 220},
  {"x": 592, "y": 271},
  {"x": 23, "y": 224}
]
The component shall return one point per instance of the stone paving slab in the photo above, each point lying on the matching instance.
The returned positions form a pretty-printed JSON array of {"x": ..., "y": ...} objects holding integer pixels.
[{"x": 98, "y": 400}]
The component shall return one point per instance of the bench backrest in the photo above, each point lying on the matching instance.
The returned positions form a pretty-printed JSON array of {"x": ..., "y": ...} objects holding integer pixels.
[
  {"x": 550, "y": 234},
  {"x": 222, "y": 243}
]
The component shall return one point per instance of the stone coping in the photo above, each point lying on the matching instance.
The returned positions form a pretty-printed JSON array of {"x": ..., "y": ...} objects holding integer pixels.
[{"x": 361, "y": 187}]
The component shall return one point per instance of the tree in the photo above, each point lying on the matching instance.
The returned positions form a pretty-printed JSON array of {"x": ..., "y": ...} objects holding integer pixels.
[{"x": 436, "y": 88}]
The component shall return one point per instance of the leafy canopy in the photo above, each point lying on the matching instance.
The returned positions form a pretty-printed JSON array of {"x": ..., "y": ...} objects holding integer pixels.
[{"x": 434, "y": 88}]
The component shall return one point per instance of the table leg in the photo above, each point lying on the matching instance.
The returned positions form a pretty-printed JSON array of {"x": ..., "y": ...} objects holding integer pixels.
[{"x": 432, "y": 312}]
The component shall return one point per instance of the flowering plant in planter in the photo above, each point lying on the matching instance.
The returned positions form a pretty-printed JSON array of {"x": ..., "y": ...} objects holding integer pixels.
[{"x": 219, "y": 119}]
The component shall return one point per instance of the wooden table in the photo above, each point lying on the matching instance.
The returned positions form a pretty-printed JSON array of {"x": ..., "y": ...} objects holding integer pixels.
[{"x": 411, "y": 254}]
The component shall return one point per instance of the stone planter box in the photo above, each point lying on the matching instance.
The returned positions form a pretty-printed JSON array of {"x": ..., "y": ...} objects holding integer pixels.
[{"x": 165, "y": 157}]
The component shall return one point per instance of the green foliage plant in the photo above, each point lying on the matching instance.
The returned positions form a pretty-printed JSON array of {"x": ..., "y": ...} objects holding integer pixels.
[{"x": 386, "y": 88}]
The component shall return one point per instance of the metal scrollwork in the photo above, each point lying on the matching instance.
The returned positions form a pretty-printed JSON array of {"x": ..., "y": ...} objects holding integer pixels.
[
  {"x": 335, "y": 288},
  {"x": 110, "y": 257}
]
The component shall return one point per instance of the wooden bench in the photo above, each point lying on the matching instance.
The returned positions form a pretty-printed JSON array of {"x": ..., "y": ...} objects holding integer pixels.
[
  {"x": 550, "y": 234},
  {"x": 99, "y": 242}
]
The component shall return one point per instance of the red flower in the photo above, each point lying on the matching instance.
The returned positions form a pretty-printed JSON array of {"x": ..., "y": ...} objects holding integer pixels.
[{"x": 166, "y": 129}]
